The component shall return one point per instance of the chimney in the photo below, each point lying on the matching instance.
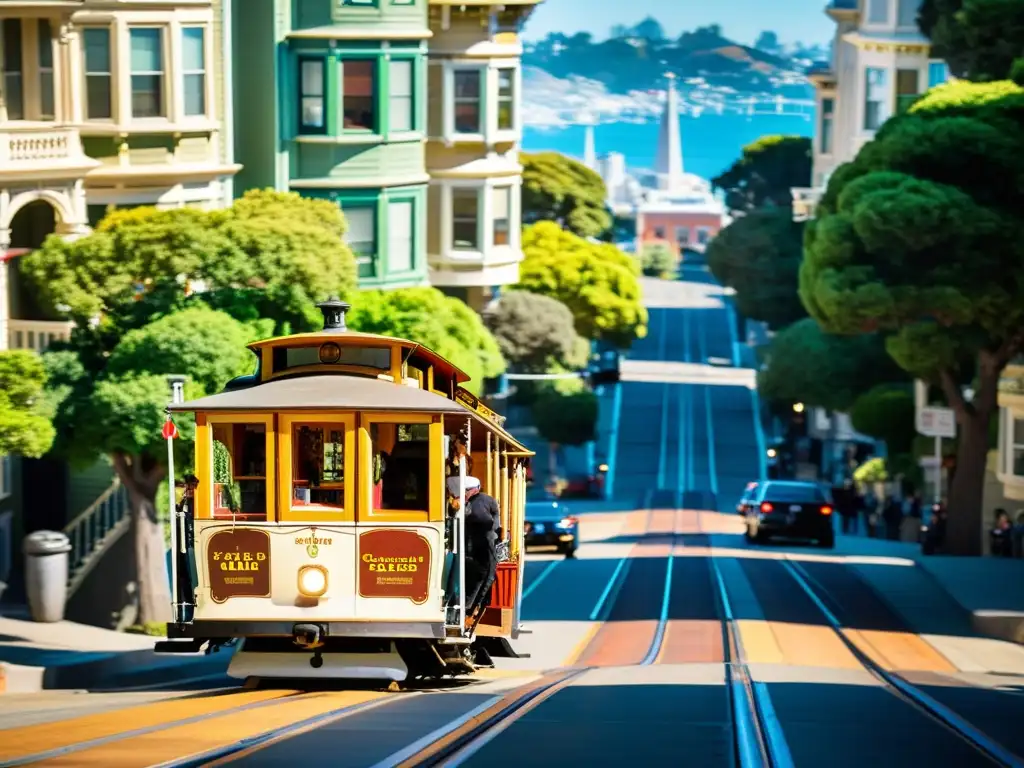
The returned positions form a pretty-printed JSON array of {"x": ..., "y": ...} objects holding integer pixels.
[{"x": 334, "y": 310}]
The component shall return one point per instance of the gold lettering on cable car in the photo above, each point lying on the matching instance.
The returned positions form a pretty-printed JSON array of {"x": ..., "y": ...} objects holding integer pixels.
[{"x": 238, "y": 562}]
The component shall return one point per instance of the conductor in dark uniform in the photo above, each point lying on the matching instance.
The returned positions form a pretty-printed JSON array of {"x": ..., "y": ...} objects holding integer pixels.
[{"x": 483, "y": 530}]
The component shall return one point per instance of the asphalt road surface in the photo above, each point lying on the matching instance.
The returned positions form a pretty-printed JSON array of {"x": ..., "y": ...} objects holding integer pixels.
[{"x": 669, "y": 641}]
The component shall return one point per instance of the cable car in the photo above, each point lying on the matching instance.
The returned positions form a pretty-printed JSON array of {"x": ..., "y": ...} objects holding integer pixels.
[{"x": 320, "y": 530}]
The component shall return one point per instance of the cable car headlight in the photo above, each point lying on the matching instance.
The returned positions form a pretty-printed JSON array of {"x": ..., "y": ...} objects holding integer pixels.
[{"x": 312, "y": 580}]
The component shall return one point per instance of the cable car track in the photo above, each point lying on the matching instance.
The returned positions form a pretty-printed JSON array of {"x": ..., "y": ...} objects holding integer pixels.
[{"x": 896, "y": 684}]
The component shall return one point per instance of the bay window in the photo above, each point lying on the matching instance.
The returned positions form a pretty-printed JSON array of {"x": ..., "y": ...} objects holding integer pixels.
[
  {"x": 825, "y": 128},
  {"x": 13, "y": 83},
  {"x": 506, "y": 99},
  {"x": 193, "y": 54},
  {"x": 400, "y": 95},
  {"x": 147, "y": 72},
  {"x": 358, "y": 94},
  {"x": 400, "y": 235},
  {"x": 874, "y": 98},
  {"x": 99, "y": 101},
  {"x": 906, "y": 13},
  {"x": 44, "y": 46},
  {"x": 362, "y": 236},
  {"x": 465, "y": 219},
  {"x": 311, "y": 96},
  {"x": 501, "y": 215},
  {"x": 467, "y": 100}
]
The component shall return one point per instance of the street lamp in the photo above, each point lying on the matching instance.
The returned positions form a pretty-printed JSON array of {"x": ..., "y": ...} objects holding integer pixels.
[
  {"x": 798, "y": 407},
  {"x": 772, "y": 453}
]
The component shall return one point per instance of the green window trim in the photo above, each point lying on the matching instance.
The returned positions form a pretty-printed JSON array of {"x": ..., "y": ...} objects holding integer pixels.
[
  {"x": 403, "y": 2},
  {"x": 360, "y": 3},
  {"x": 312, "y": 95},
  {"x": 389, "y": 99}
]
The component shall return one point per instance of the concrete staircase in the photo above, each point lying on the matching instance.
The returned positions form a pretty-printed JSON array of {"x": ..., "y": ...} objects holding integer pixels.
[{"x": 94, "y": 531}]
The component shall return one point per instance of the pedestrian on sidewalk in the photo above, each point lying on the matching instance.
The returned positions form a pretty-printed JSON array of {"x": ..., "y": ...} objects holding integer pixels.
[
  {"x": 846, "y": 504},
  {"x": 892, "y": 516},
  {"x": 999, "y": 537},
  {"x": 870, "y": 513}
]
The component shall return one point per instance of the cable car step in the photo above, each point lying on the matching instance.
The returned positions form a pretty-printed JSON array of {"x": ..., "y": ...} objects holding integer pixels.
[{"x": 179, "y": 646}]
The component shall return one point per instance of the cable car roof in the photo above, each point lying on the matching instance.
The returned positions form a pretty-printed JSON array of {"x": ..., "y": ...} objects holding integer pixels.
[
  {"x": 324, "y": 392},
  {"x": 329, "y": 392},
  {"x": 336, "y": 336}
]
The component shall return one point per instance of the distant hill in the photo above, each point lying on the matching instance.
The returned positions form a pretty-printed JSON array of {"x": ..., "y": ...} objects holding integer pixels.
[{"x": 631, "y": 62}]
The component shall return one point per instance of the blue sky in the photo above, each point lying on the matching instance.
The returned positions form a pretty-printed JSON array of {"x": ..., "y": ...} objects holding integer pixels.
[{"x": 741, "y": 20}]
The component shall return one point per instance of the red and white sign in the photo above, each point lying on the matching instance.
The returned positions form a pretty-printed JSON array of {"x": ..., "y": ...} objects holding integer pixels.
[{"x": 936, "y": 422}]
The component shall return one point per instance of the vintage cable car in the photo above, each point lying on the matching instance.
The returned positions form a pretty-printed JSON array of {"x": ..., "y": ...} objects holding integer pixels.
[{"x": 319, "y": 529}]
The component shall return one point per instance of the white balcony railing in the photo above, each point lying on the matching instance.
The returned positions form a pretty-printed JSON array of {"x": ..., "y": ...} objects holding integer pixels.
[
  {"x": 36, "y": 335},
  {"x": 39, "y": 146},
  {"x": 805, "y": 201}
]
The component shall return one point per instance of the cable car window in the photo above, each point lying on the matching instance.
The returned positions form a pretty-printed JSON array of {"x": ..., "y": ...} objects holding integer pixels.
[
  {"x": 240, "y": 471},
  {"x": 332, "y": 354},
  {"x": 318, "y": 466},
  {"x": 401, "y": 466}
]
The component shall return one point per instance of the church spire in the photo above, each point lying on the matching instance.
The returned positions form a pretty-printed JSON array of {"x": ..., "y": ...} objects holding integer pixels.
[
  {"x": 669, "y": 164},
  {"x": 589, "y": 153}
]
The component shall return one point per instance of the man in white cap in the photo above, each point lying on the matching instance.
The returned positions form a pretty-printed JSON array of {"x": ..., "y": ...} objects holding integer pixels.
[{"x": 483, "y": 528}]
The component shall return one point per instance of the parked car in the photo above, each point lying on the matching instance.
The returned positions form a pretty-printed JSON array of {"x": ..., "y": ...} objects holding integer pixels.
[
  {"x": 793, "y": 510},
  {"x": 549, "y": 524}
]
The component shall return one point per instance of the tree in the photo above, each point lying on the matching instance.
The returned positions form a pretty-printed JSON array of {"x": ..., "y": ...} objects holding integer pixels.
[
  {"x": 759, "y": 255},
  {"x": 649, "y": 29},
  {"x": 566, "y": 415},
  {"x": 766, "y": 173},
  {"x": 118, "y": 412},
  {"x": 596, "y": 281},
  {"x": 438, "y": 322},
  {"x": 979, "y": 39},
  {"x": 768, "y": 42},
  {"x": 920, "y": 237},
  {"x": 25, "y": 428},
  {"x": 657, "y": 260},
  {"x": 536, "y": 333},
  {"x": 271, "y": 251},
  {"x": 806, "y": 365},
  {"x": 886, "y": 412},
  {"x": 557, "y": 188}
]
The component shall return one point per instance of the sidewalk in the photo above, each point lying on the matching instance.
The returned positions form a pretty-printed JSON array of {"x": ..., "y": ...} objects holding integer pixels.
[
  {"x": 66, "y": 655},
  {"x": 970, "y": 608}
]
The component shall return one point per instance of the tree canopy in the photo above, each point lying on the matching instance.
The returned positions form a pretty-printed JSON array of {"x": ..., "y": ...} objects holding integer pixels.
[
  {"x": 438, "y": 322},
  {"x": 118, "y": 411},
  {"x": 536, "y": 333},
  {"x": 560, "y": 189},
  {"x": 25, "y": 428},
  {"x": 979, "y": 39},
  {"x": 806, "y": 365},
  {"x": 271, "y": 251},
  {"x": 920, "y": 237},
  {"x": 886, "y": 412},
  {"x": 657, "y": 260},
  {"x": 766, "y": 172},
  {"x": 566, "y": 415},
  {"x": 759, "y": 255},
  {"x": 596, "y": 281}
]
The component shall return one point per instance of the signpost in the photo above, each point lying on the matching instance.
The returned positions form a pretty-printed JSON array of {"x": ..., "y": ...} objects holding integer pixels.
[{"x": 937, "y": 423}]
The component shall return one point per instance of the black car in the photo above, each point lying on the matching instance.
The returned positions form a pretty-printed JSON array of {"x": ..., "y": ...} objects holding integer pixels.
[
  {"x": 549, "y": 524},
  {"x": 792, "y": 510},
  {"x": 747, "y": 498}
]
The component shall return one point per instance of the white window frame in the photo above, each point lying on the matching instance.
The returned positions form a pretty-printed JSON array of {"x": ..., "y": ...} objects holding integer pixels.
[
  {"x": 414, "y": 214},
  {"x": 112, "y": 76},
  {"x": 822, "y": 148},
  {"x": 1008, "y": 447},
  {"x": 22, "y": 73},
  {"x": 50, "y": 70},
  {"x": 167, "y": 74},
  {"x": 884, "y": 101},
  {"x": 485, "y": 218},
  {"x": 896, "y": 15},
  {"x": 489, "y": 133},
  {"x": 183, "y": 73}
]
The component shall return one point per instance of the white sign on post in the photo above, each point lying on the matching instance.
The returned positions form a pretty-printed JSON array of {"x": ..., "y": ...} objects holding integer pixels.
[{"x": 936, "y": 422}]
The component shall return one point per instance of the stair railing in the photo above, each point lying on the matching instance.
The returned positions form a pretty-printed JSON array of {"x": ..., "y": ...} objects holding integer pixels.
[{"x": 101, "y": 524}]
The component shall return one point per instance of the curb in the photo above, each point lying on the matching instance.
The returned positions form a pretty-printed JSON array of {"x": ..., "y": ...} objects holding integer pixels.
[
  {"x": 1000, "y": 625},
  {"x": 118, "y": 670}
]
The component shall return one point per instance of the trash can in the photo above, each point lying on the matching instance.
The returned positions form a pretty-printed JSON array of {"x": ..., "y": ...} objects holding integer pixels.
[{"x": 46, "y": 574}]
